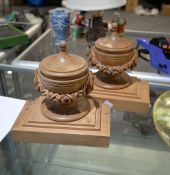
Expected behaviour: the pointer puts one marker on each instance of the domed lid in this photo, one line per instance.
(63, 65)
(114, 43)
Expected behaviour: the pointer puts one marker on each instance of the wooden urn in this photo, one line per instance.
(113, 55)
(65, 114)
(64, 79)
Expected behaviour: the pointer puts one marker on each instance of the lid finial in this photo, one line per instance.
(114, 27)
(63, 46)
(114, 30)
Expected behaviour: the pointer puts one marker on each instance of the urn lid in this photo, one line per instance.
(63, 65)
(114, 43)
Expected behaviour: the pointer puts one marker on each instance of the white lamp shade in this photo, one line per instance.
(93, 5)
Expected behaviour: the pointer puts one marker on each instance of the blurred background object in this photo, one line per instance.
(120, 21)
(159, 50)
(10, 36)
(36, 2)
(131, 5)
(165, 8)
(93, 5)
(161, 116)
(97, 28)
(148, 7)
(60, 24)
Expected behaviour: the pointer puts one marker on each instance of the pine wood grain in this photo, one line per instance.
(92, 130)
(134, 98)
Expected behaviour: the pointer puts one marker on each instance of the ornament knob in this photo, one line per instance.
(114, 27)
(63, 46)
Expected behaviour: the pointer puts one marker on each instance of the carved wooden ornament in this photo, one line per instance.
(65, 115)
(113, 55)
(63, 78)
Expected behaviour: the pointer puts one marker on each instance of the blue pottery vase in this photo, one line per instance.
(60, 20)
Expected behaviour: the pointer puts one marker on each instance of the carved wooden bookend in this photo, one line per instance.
(112, 56)
(64, 79)
(64, 115)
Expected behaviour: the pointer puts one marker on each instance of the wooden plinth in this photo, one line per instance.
(134, 98)
(91, 130)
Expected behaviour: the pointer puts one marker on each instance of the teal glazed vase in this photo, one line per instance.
(60, 21)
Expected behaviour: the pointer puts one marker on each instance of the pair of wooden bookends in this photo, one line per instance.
(71, 109)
